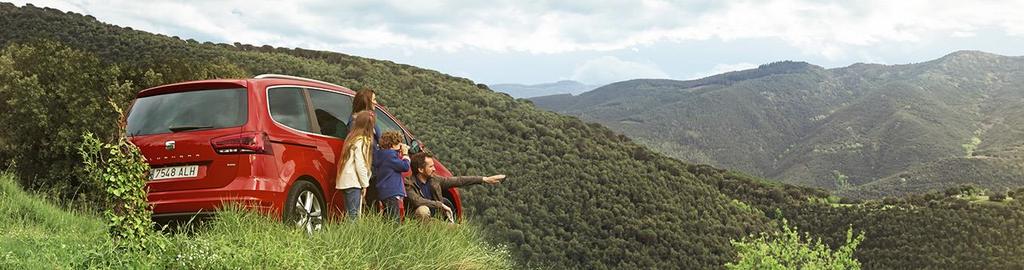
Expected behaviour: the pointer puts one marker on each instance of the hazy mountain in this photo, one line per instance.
(544, 89)
(918, 127)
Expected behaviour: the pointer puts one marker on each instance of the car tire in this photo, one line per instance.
(305, 207)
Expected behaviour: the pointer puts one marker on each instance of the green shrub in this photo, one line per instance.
(120, 169)
(787, 250)
(52, 94)
(848, 200)
(1018, 192)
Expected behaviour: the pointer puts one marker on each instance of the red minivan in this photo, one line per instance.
(269, 143)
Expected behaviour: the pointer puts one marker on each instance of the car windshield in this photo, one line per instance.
(184, 111)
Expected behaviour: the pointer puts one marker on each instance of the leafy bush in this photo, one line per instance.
(848, 200)
(787, 250)
(51, 95)
(121, 170)
(1018, 192)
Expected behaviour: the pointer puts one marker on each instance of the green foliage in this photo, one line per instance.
(903, 231)
(933, 234)
(642, 202)
(51, 95)
(371, 243)
(971, 146)
(788, 250)
(842, 181)
(649, 205)
(1015, 193)
(35, 234)
(993, 173)
(121, 171)
(968, 192)
(579, 195)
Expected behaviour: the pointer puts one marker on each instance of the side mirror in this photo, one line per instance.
(416, 147)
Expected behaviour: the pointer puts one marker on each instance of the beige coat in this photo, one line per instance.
(355, 173)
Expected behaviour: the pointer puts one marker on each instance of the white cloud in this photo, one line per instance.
(832, 29)
(723, 68)
(962, 34)
(608, 69)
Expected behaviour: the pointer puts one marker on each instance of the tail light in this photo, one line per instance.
(245, 143)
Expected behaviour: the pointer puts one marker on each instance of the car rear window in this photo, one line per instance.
(184, 111)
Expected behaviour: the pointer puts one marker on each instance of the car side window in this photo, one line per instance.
(385, 124)
(332, 111)
(288, 107)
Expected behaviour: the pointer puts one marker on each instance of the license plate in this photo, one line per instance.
(174, 172)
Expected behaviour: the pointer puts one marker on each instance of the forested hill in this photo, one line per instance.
(867, 130)
(578, 196)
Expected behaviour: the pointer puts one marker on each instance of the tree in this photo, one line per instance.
(52, 94)
(787, 250)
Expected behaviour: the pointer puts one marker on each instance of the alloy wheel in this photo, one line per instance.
(307, 209)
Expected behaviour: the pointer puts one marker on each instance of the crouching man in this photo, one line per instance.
(424, 188)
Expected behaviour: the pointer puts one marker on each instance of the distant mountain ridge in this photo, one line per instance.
(544, 89)
(867, 130)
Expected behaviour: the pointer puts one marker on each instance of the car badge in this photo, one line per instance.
(169, 145)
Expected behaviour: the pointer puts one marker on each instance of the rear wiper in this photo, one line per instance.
(187, 127)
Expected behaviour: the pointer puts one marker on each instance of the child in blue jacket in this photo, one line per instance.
(389, 162)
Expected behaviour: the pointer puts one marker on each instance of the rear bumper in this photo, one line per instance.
(257, 194)
(181, 218)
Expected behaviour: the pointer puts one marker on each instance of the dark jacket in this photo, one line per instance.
(376, 134)
(438, 184)
(388, 168)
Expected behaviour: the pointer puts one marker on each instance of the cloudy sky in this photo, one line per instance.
(595, 42)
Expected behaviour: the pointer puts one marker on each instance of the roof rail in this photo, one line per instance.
(279, 76)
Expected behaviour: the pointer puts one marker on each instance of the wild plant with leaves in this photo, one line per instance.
(786, 249)
(117, 166)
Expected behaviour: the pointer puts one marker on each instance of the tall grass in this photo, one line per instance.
(35, 234)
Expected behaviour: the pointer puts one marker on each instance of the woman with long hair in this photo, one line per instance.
(365, 100)
(355, 161)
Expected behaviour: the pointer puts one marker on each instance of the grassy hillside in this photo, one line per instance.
(35, 234)
(578, 196)
(830, 128)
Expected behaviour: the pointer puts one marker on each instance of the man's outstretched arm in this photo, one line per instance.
(458, 181)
